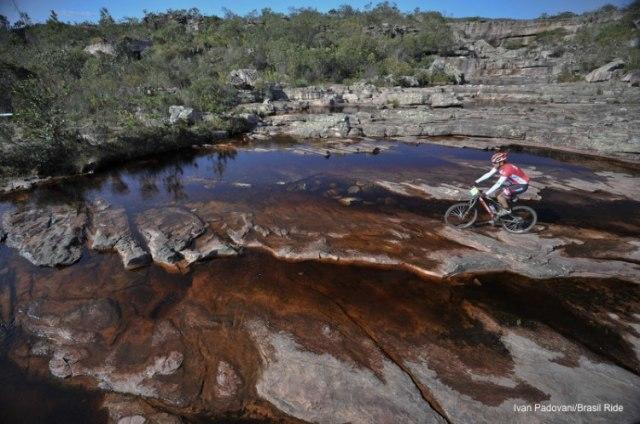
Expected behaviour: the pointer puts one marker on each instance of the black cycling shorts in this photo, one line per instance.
(514, 190)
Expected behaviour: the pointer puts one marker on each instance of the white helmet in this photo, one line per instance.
(499, 157)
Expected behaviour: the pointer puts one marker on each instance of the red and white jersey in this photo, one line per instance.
(514, 174)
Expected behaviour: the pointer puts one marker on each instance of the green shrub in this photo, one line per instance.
(56, 89)
(568, 75)
(512, 44)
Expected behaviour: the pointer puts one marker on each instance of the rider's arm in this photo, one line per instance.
(487, 175)
(496, 186)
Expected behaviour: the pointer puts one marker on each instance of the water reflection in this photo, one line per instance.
(221, 159)
(202, 175)
(118, 185)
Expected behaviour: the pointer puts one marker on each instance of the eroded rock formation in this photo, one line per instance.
(311, 297)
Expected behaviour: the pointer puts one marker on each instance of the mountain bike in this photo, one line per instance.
(463, 215)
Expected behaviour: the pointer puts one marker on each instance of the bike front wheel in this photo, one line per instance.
(520, 220)
(460, 216)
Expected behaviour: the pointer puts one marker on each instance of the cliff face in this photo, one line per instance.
(508, 51)
(497, 30)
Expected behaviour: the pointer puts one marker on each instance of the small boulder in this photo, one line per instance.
(182, 113)
(275, 93)
(604, 73)
(243, 78)
(100, 48)
(633, 78)
(441, 66)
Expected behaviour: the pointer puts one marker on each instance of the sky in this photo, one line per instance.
(87, 10)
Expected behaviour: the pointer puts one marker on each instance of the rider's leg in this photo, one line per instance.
(502, 199)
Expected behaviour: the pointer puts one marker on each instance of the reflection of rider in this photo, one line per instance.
(512, 179)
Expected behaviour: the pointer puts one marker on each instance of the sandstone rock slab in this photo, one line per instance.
(445, 100)
(605, 72)
(110, 230)
(168, 231)
(46, 236)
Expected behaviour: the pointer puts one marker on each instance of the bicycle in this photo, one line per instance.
(463, 215)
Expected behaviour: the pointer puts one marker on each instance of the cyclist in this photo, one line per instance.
(512, 181)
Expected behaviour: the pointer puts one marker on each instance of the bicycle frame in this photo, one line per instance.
(483, 201)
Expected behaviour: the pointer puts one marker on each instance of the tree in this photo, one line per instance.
(53, 18)
(23, 21)
(105, 17)
(4, 22)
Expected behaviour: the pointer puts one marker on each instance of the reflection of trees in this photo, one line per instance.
(118, 185)
(148, 187)
(173, 183)
(170, 178)
(221, 159)
(65, 191)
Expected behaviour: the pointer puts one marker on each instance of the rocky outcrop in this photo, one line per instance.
(168, 231)
(605, 72)
(184, 114)
(564, 116)
(110, 230)
(509, 51)
(46, 236)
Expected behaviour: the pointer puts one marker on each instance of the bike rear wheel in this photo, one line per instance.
(460, 216)
(520, 220)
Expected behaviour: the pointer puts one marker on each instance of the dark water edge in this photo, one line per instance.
(27, 399)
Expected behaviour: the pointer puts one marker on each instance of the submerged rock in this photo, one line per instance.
(47, 236)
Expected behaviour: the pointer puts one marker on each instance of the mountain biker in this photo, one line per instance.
(512, 181)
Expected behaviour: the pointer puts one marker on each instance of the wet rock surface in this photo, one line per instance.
(168, 231)
(110, 231)
(318, 283)
(348, 340)
(46, 236)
